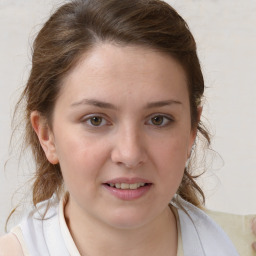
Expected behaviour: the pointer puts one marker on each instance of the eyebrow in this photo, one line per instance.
(102, 104)
(94, 102)
(162, 103)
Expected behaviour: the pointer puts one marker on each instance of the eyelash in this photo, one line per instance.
(88, 120)
(166, 120)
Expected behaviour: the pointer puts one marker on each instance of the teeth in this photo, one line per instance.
(126, 185)
(133, 186)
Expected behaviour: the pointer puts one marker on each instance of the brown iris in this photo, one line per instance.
(157, 120)
(96, 120)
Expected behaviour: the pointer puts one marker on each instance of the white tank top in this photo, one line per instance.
(201, 236)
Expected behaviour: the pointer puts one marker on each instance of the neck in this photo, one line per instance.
(159, 237)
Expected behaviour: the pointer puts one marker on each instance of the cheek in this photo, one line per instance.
(76, 147)
(170, 157)
(81, 159)
(172, 151)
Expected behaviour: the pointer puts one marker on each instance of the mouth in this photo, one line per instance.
(127, 186)
(128, 189)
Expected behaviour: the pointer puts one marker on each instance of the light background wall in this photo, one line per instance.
(225, 31)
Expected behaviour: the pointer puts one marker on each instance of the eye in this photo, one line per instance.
(157, 120)
(96, 121)
(160, 120)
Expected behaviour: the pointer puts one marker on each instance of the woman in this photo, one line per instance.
(113, 106)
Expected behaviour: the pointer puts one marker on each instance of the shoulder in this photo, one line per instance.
(200, 233)
(232, 223)
(237, 227)
(9, 245)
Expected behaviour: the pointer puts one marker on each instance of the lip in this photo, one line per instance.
(128, 194)
(128, 180)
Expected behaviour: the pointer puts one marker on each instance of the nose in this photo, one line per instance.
(129, 148)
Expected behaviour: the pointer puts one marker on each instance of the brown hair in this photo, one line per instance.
(73, 30)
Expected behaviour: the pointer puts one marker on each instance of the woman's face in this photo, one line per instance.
(122, 134)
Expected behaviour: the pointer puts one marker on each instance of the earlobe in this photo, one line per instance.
(199, 113)
(194, 131)
(45, 136)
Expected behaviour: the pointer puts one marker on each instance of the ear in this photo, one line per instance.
(45, 136)
(194, 129)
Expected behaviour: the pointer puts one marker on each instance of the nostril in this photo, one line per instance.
(128, 156)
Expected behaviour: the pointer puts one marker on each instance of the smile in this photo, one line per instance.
(126, 185)
(127, 191)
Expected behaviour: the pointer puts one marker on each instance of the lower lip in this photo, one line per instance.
(128, 194)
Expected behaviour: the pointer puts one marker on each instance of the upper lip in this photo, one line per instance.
(127, 180)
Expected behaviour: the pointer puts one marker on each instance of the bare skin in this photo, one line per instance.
(9, 245)
(122, 112)
(122, 116)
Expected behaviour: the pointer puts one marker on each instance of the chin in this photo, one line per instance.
(129, 219)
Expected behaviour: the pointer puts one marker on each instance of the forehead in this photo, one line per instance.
(111, 70)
